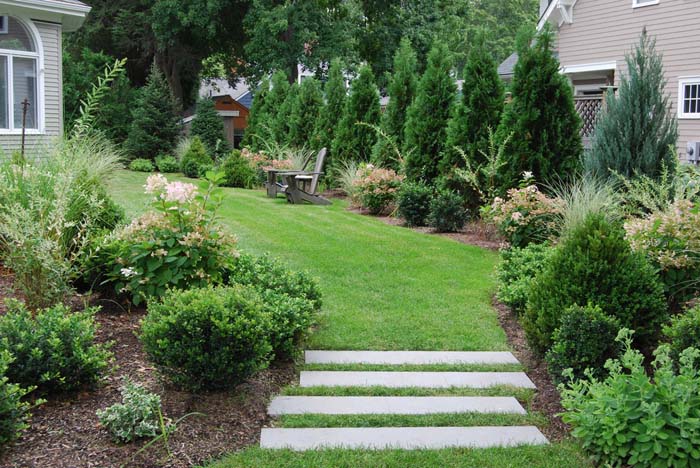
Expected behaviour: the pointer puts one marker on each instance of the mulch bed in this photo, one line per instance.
(65, 432)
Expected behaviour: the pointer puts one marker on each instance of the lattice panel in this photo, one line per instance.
(588, 108)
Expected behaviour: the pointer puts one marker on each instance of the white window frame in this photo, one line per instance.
(40, 90)
(3, 27)
(642, 4)
(682, 83)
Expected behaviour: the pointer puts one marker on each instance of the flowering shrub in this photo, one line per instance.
(671, 240)
(376, 188)
(177, 245)
(262, 162)
(525, 216)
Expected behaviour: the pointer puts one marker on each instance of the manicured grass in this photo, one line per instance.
(385, 287)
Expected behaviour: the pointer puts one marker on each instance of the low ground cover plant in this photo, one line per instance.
(54, 349)
(517, 271)
(208, 338)
(630, 418)
(137, 416)
(14, 410)
(376, 188)
(141, 165)
(413, 203)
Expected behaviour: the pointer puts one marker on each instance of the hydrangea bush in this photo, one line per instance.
(376, 188)
(176, 245)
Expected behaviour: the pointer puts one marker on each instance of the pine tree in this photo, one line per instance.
(209, 127)
(258, 114)
(636, 133)
(155, 119)
(281, 124)
(332, 113)
(354, 142)
(479, 109)
(402, 90)
(541, 117)
(305, 113)
(428, 116)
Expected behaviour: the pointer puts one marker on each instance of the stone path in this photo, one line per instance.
(375, 438)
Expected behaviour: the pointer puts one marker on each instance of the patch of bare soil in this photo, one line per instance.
(546, 400)
(65, 432)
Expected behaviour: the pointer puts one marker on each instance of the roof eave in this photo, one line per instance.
(71, 15)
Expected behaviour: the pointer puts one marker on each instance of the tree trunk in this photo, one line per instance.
(170, 68)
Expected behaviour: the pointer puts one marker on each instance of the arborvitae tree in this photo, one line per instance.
(637, 132)
(428, 116)
(281, 124)
(542, 118)
(154, 126)
(479, 109)
(209, 127)
(353, 141)
(274, 101)
(335, 105)
(305, 113)
(402, 90)
(258, 114)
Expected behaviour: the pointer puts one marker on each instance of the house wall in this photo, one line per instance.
(50, 35)
(604, 30)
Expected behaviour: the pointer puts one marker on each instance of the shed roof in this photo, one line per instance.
(506, 69)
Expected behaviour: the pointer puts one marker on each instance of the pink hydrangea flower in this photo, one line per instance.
(155, 184)
(179, 192)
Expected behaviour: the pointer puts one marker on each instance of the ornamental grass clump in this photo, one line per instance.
(376, 188)
(176, 245)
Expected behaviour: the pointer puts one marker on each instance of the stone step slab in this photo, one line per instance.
(414, 379)
(409, 357)
(407, 438)
(393, 405)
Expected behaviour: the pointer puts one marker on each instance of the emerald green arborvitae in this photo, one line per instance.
(402, 90)
(209, 127)
(354, 142)
(275, 99)
(305, 114)
(155, 119)
(281, 123)
(258, 114)
(332, 112)
(428, 116)
(479, 109)
(541, 118)
(637, 132)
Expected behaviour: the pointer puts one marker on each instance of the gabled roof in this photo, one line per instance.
(506, 69)
(558, 12)
(70, 13)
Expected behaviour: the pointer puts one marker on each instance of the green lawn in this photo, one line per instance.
(384, 287)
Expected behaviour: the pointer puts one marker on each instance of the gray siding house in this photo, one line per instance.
(30, 68)
(593, 37)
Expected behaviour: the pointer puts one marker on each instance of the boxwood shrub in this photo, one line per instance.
(684, 331)
(238, 171)
(414, 203)
(14, 411)
(167, 164)
(141, 165)
(447, 212)
(196, 161)
(517, 271)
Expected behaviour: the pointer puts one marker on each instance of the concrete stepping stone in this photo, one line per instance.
(414, 379)
(392, 405)
(407, 438)
(409, 357)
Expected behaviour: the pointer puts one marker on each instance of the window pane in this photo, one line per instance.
(17, 37)
(4, 122)
(24, 84)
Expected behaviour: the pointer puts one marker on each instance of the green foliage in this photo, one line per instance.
(332, 112)
(268, 274)
(401, 91)
(631, 418)
(354, 142)
(259, 115)
(428, 117)
(167, 164)
(476, 114)
(447, 212)
(541, 117)
(375, 188)
(54, 349)
(268, 130)
(414, 203)
(154, 128)
(584, 340)
(238, 171)
(196, 161)
(14, 412)
(517, 271)
(210, 338)
(281, 124)
(137, 416)
(595, 264)
(304, 114)
(481, 179)
(177, 245)
(683, 332)
(291, 319)
(636, 133)
(209, 127)
(141, 165)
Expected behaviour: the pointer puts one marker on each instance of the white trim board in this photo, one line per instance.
(588, 67)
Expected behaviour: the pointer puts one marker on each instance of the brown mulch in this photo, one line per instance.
(65, 432)
(546, 400)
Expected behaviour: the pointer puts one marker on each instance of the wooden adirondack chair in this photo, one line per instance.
(302, 186)
(273, 184)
